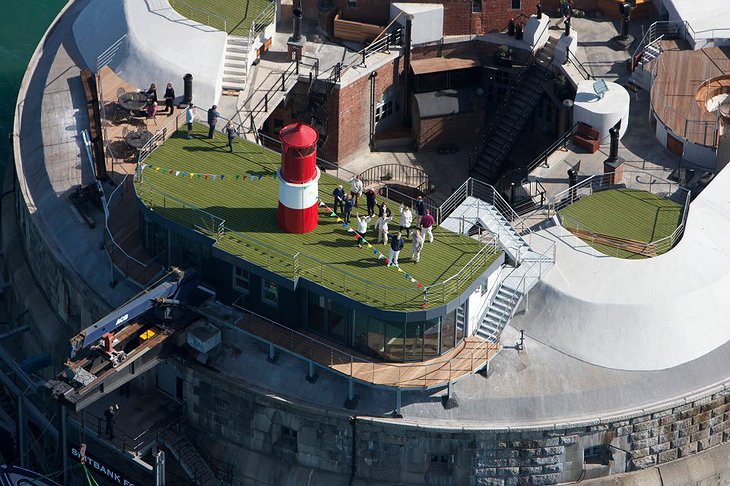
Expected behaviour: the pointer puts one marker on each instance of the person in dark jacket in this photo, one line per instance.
(212, 119)
(231, 133)
(371, 202)
(339, 196)
(420, 207)
(396, 245)
(151, 94)
(384, 210)
(349, 204)
(110, 414)
(169, 99)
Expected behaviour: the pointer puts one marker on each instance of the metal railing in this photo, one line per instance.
(416, 375)
(582, 70)
(200, 15)
(303, 265)
(632, 180)
(389, 173)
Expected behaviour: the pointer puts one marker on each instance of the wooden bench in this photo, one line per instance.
(587, 138)
(355, 31)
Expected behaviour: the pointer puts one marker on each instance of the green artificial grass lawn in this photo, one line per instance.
(238, 13)
(249, 210)
(625, 213)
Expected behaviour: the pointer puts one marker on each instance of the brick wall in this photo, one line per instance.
(459, 130)
(458, 16)
(350, 129)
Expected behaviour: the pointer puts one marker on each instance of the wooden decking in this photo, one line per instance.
(680, 75)
(469, 356)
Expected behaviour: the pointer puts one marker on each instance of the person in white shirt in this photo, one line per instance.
(362, 228)
(356, 188)
(190, 118)
(406, 220)
(417, 246)
(383, 227)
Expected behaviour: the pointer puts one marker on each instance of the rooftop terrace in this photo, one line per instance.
(239, 211)
(233, 17)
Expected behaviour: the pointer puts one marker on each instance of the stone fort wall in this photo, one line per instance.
(405, 452)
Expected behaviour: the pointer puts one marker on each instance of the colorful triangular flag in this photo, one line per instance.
(177, 173)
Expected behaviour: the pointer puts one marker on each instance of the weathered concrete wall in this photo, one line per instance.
(402, 452)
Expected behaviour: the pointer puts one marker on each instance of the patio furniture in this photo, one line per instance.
(137, 138)
(587, 138)
(133, 101)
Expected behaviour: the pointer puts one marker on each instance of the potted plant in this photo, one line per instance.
(503, 56)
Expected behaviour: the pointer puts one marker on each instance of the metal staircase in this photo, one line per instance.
(488, 158)
(189, 459)
(235, 66)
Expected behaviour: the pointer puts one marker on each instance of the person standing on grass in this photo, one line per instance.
(356, 188)
(417, 246)
(383, 229)
(169, 99)
(231, 133)
(406, 219)
(339, 196)
(190, 118)
(213, 116)
(348, 209)
(371, 202)
(396, 245)
(427, 222)
(420, 207)
(362, 228)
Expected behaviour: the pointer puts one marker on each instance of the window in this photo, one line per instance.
(241, 279)
(352, 3)
(599, 454)
(387, 106)
(484, 288)
(516, 4)
(288, 438)
(476, 5)
(441, 463)
(270, 293)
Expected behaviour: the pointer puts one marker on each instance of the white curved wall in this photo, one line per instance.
(161, 46)
(641, 314)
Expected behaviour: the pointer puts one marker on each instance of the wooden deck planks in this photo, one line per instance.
(466, 358)
(680, 74)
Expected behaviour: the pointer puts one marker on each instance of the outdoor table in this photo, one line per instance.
(138, 138)
(133, 101)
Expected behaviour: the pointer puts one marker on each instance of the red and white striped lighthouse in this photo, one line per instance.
(298, 179)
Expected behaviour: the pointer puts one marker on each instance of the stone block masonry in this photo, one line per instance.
(389, 451)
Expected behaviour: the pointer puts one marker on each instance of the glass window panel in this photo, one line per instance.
(376, 336)
(270, 293)
(337, 321)
(431, 333)
(360, 332)
(394, 340)
(414, 341)
(448, 331)
(315, 312)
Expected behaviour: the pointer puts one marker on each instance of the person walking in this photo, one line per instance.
(420, 207)
(371, 202)
(362, 228)
(212, 119)
(396, 245)
(566, 11)
(190, 118)
(110, 415)
(231, 133)
(406, 219)
(383, 229)
(417, 246)
(339, 196)
(427, 222)
(348, 209)
(356, 188)
(169, 99)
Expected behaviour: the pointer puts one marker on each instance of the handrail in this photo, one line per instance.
(578, 65)
(202, 10)
(399, 173)
(294, 262)
(379, 373)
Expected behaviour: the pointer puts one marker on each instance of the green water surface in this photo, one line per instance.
(22, 24)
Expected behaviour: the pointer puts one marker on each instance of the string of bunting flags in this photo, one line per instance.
(204, 176)
(376, 252)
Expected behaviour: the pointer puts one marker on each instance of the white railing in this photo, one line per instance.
(636, 180)
(200, 14)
